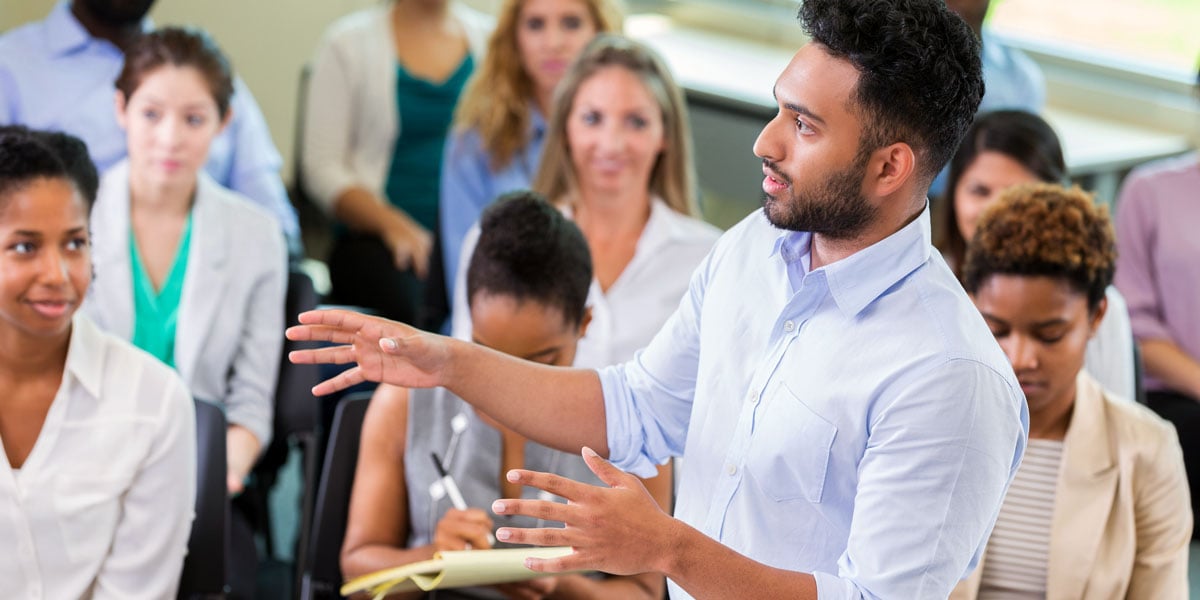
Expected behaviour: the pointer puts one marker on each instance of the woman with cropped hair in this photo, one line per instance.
(1099, 505)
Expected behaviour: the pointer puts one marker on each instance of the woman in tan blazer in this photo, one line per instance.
(1099, 507)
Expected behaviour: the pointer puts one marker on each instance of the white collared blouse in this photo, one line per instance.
(102, 507)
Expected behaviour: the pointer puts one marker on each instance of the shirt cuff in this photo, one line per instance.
(624, 439)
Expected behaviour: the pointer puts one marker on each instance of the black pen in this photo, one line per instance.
(452, 490)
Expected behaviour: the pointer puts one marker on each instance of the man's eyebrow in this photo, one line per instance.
(799, 109)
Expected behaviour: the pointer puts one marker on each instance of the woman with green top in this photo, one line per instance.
(191, 272)
(381, 94)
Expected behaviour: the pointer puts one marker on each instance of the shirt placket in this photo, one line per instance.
(26, 551)
(787, 327)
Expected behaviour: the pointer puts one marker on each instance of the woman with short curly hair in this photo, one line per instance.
(1097, 474)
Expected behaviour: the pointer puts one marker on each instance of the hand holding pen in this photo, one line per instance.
(460, 525)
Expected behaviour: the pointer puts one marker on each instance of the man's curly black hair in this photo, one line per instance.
(920, 79)
(27, 154)
(528, 250)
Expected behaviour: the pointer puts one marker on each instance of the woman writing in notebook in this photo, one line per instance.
(528, 282)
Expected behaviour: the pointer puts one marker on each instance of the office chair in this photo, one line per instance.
(322, 574)
(204, 567)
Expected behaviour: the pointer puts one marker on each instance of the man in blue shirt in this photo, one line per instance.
(58, 74)
(848, 424)
(1012, 79)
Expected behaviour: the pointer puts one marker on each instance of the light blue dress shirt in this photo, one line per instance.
(857, 422)
(1011, 80)
(469, 184)
(54, 75)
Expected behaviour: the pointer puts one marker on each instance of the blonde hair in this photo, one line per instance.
(496, 100)
(672, 178)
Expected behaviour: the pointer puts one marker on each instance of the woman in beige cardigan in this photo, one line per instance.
(1099, 507)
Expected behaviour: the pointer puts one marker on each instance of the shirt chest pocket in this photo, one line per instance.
(88, 508)
(790, 449)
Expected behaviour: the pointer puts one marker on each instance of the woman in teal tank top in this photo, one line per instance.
(384, 239)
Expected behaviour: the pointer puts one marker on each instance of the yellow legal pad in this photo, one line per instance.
(451, 569)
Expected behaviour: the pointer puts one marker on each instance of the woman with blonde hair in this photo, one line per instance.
(617, 160)
(500, 123)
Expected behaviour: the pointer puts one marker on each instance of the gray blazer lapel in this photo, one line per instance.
(110, 298)
(205, 280)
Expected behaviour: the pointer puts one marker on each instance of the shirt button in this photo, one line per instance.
(789, 326)
(730, 469)
(751, 397)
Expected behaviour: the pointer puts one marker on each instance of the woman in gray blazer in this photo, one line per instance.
(189, 271)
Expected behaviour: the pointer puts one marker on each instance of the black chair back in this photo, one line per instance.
(322, 572)
(204, 566)
(297, 419)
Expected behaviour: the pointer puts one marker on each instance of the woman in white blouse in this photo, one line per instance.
(617, 159)
(1099, 506)
(98, 474)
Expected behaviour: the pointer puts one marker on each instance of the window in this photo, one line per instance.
(1158, 36)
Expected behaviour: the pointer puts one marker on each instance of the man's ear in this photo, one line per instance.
(889, 169)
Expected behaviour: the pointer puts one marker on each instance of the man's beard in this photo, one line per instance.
(119, 13)
(835, 207)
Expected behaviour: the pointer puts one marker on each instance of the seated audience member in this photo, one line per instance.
(383, 87)
(618, 162)
(58, 74)
(1007, 148)
(527, 282)
(500, 123)
(1099, 475)
(189, 271)
(1159, 272)
(98, 473)
(1011, 80)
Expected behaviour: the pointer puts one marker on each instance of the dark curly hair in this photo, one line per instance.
(27, 154)
(178, 47)
(1044, 229)
(920, 79)
(1021, 136)
(529, 251)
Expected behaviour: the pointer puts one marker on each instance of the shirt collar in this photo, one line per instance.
(65, 34)
(85, 354)
(857, 280)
